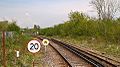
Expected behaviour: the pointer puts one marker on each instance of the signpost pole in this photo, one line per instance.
(34, 46)
(3, 45)
(45, 42)
(45, 48)
(33, 59)
(33, 63)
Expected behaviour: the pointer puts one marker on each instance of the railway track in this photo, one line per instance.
(53, 58)
(75, 57)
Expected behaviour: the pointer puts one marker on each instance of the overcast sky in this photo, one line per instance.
(45, 13)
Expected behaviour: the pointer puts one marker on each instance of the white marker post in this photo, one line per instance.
(17, 54)
(34, 46)
(45, 42)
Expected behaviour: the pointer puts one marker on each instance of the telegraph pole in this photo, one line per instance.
(3, 46)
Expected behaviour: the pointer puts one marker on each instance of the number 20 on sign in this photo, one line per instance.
(34, 46)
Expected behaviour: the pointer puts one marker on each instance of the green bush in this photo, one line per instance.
(80, 24)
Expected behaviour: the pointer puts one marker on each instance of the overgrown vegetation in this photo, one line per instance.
(81, 25)
(101, 34)
(9, 26)
(19, 43)
(97, 33)
(16, 40)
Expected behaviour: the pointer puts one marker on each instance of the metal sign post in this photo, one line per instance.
(45, 48)
(45, 42)
(33, 63)
(3, 46)
(34, 46)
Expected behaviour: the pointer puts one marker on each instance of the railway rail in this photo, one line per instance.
(78, 58)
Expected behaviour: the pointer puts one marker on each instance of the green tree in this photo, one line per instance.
(77, 16)
(13, 27)
(3, 25)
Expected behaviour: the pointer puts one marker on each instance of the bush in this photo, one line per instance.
(80, 24)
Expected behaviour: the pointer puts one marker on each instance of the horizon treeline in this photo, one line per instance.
(9, 26)
(81, 25)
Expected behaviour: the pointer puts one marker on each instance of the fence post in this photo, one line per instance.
(3, 46)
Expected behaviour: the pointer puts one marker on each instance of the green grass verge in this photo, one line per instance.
(100, 45)
(19, 42)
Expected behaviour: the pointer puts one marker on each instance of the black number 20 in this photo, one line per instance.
(34, 46)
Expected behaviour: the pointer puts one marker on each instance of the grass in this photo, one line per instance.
(99, 45)
(19, 42)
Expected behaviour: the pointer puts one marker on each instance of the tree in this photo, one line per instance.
(36, 27)
(106, 9)
(77, 16)
(13, 27)
(3, 25)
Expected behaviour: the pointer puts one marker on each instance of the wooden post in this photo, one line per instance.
(3, 46)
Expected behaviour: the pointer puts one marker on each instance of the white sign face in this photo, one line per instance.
(45, 42)
(34, 46)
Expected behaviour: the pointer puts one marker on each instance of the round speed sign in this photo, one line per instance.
(34, 46)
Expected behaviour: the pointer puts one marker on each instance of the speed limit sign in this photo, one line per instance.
(34, 46)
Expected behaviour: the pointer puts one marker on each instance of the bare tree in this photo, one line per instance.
(106, 9)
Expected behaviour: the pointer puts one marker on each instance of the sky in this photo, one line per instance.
(44, 13)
